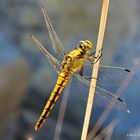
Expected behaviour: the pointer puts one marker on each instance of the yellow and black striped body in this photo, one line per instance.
(61, 83)
(71, 64)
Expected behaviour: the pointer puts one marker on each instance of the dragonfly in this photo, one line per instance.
(72, 64)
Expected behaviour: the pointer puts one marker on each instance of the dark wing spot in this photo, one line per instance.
(120, 99)
(127, 70)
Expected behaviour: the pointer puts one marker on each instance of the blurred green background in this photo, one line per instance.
(27, 79)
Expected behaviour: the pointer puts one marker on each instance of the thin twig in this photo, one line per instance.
(95, 68)
(106, 132)
(62, 111)
(110, 106)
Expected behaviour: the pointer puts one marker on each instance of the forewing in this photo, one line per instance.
(57, 45)
(108, 75)
(53, 61)
(103, 97)
(112, 75)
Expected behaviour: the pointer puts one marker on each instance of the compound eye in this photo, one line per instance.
(80, 46)
(88, 42)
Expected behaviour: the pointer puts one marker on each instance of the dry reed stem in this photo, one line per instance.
(62, 111)
(110, 106)
(103, 19)
(107, 131)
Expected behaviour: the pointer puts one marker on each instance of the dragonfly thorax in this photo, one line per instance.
(74, 59)
(85, 46)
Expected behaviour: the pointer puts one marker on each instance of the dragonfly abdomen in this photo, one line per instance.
(61, 83)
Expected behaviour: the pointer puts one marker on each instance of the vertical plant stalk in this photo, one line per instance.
(62, 111)
(103, 19)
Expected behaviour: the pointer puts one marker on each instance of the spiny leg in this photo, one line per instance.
(81, 70)
(100, 51)
(91, 57)
(97, 58)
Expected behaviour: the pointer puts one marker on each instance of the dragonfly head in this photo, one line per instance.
(85, 45)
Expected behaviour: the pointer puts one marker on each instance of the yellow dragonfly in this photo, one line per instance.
(72, 63)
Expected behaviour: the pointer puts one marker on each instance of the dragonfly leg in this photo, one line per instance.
(100, 51)
(99, 54)
(92, 53)
(81, 70)
(98, 57)
(91, 57)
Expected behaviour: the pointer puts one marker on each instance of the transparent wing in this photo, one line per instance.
(107, 74)
(53, 61)
(102, 96)
(57, 45)
(113, 75)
